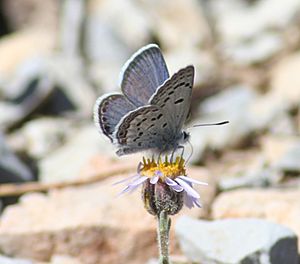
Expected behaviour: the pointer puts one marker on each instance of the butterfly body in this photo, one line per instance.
(151, 112)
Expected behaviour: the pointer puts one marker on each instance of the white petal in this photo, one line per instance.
(191, 180)
(138, 181)
(127, 179)
(154, 179)
(190, 191)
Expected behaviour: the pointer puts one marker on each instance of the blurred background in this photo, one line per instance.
(56, 170)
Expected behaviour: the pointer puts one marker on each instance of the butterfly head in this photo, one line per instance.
(184, 137)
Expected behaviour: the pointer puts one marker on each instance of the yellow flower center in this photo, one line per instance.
(167, 168)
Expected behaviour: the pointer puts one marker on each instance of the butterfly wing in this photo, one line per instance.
(109, 110)
(158, 126)
(174, 99)
(142, 129)
(142, 74)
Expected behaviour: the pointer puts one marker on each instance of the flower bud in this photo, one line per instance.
(161, 197)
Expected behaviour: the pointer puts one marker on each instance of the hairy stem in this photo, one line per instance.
(164, 224)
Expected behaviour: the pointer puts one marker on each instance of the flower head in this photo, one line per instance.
(165, 185)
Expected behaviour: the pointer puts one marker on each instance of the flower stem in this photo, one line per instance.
(164, 224)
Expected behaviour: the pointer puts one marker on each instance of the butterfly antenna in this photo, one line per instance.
(213, 124)
(191, 154)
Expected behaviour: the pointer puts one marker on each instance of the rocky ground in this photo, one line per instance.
(56, 172)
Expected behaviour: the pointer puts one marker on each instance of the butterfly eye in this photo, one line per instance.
(185, 135)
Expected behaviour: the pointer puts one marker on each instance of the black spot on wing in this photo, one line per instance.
(178, 101)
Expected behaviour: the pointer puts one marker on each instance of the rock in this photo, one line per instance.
(67, 161)
(127, 21)
(115, 30)
(256, 51)
(290, 161)
(12, 169)
(99, 227)
(72, 83)
(283, 125)
(252, 32)
(16, 85)
(36, 92)
(63, 259)
(278, 205)
(6, 260)
(31, 13)
(261, 177)
(176, 33)
(285, 82)
(247, 111)
(19, 47)
(219, 241)
(99, 221)
(269, 110)
(232, 104)
(205, 67)
(282, 152)
(41, 136)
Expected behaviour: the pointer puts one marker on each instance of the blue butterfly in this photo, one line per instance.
(153, 108)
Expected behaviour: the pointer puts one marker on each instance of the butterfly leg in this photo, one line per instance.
(158, 157)
(181, 147)
(172, 155)
(174, 150)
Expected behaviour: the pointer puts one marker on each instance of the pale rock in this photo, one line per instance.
(127, 19)
(277, 205)
(18, 47)
(219, 242)
(63, 259)
(7, 260)
(66, 162)
(73, 82)
(283, 125)
(232, 104)
(285, 81)
(177, 33)
(255, 51)
(258, 177)
(41, 136)
(89, 223)
(28, 70)
(290, 160)
(31, 13)
(247, 112)
(12, 169)
(11, 114)
(284, 95)
(115, 30)
(205, 67)
(265, 111)
(237, 20)
(252, 32)
(282, 152)
(38, 90)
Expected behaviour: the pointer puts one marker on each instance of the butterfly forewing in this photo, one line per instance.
(142, 74)
(109, 110)
(174, 98)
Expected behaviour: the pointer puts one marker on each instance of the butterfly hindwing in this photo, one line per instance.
(142, 74)
(142, 129)
(108, 111)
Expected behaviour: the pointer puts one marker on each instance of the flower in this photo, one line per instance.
(165, 185)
